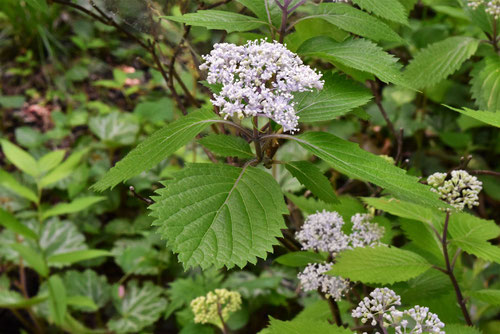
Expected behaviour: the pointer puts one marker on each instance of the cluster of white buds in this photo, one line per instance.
(322, 232)
(313, 277)
(206, 308)
(381, 310)
(459, 191)
(492, 7)
(258, 79)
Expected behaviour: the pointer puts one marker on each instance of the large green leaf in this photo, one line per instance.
(89, 284)
(220, 215)
(57, 299)
(360, 54)
(302, 326)
(388, 9)
(478, 247)
(439, 60)
(8, 181)
(32, 258)
(491, 118)
(355, 21)
(351, 160)
(20, 158)
(313, 179)
(9, 221)
(300, 258)
(140, 307)
(227, 146)
(338, 96)
(219, 20)
(60, 237)
(490, 296)
(77, 205)
(157, 147)
(463, 226)
(14, 300)
(384, 265)
(486, 84)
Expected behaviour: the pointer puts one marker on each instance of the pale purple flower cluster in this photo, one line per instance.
(313, 277)
(381, 309)
(258, 79)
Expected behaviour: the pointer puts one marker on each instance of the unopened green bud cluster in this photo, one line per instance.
(206, 308)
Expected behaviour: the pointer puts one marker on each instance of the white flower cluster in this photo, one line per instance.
(313, 277)
(206, 308)
(322, 232)
(460, 190)
(492, 7)
(258, 79)
(381, 309)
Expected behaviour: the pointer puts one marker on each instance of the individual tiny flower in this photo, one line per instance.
(206, 308)
(258, 79)
(460, 190)
(323, 232)
(313, 277)
(372, 309)
(364, 233)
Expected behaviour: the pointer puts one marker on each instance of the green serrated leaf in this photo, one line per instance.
(491, 118)
(486, 84)
(57, 299)
(338, 97)
(9, 221)
(140, 307)
(9, 182)
(384, 265)
(461, 329)
(219, 20)
(388, 9)
(348, 158)
(354, 21)
(302, 326)
(76, 205)
(360, 54)
(490, 296)
(32, 258)
(60, 237)
(89, 284)
(437, 61)
(220, 215)
(478, 247)
(157, 147)
(227, 146)
(313, 179)
(20, 158)
(77, 256)
(300, 258)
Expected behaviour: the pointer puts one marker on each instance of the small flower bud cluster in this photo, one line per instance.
(258, 79)
(460, 191)
(313, 277)
(492, 7)
(206, 308)
(322, 232)
(381, 309)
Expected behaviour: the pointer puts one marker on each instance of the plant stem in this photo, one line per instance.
(225, 329)
(484, 172)
(334, 308)
(449, 271)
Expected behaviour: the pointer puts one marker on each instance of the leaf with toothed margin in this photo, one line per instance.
(220, 215)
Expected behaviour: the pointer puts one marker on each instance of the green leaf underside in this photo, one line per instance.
(300, 258)
(491, 118)
(9, 182)
(157, 147)
(338, 96)
(219, 20)
(384, 265)
(439, 60)
(9, 221)
(360, 54)
(350, 159)
(77, 205)
(489, 296)
(313, 179)
(486, 84)
(227, 146)
(354, 21)
(302, 326)
(140, 307)
(389, 9)
(220, 215)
